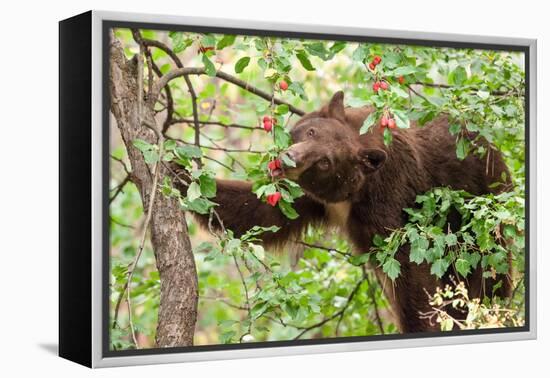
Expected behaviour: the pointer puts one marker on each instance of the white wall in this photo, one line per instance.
(28, 200)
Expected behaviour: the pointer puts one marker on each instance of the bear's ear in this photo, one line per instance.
(372, 158)
(336, 107)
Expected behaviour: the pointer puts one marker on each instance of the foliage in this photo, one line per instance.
(317, 287)
(491, 226)
(491, 314)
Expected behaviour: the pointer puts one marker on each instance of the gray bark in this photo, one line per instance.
(168, 228)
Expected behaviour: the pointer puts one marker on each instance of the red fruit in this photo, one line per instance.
(384, 85)
(272, 199)
(391, 123)
(401, 79)
(268, 125)
(266, 118)
(384, 121)
(376, 60)
(283, 85)
(372, 66)
(274, 164)
(376, 86)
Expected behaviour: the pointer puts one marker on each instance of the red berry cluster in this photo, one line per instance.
(380, 84)
(274, 164)
(283, 85)
(269, 122)
(375, 61)
(387, 121)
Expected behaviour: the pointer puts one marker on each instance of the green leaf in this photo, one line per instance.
(281, 109)
(281, 137)
(227, 40)
(170, 145)
(371, 119)
(287, 209)
(208, 40)
(227, 337)
(208, 66)
(207, 185)
(461, 148)
(188, 151)
(142, 145)
(483, 94)
(392, 268)
(298, 90)
(388, 137)
(402, 71)
(463, 267)
(439, 267)
(458, 76)
(337, 47)
(200, 205)
(455, 128)
(398, 91)
(241, 64)
(151, 156)
(359, 260)
(451, 240)
(194, 191)
(401, 119)
(318, 49)
(360, 53)
(288, 161)
(303, 58)
(418, 250)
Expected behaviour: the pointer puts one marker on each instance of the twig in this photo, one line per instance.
(162, 82)
(310, 245)
(119, 188)
(336, 314)
(371, 294)
(217, 123)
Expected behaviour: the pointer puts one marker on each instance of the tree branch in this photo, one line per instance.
(224, 76)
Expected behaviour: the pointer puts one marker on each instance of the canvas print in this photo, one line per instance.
(274, 190)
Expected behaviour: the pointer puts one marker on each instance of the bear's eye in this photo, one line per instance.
(323, 164)
(311, 132)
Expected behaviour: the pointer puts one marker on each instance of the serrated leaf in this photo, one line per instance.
(392, 268)
(281, 137)
(439, 267)
(463, 267)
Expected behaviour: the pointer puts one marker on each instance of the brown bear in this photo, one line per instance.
(358, 184)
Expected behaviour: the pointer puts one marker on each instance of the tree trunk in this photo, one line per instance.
(169, 235)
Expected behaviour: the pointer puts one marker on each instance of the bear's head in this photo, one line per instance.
(332, 164)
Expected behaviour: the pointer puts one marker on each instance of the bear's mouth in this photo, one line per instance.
(277, 173)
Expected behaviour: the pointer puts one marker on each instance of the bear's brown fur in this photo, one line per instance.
(360, 185)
